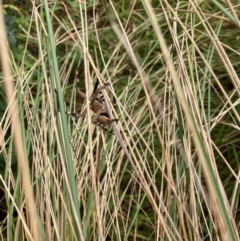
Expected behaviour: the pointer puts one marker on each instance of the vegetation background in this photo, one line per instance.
(171, 169)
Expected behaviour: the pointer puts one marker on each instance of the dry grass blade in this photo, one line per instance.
(173, 161)
(17, 130)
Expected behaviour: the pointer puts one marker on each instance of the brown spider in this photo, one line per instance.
(98, 106)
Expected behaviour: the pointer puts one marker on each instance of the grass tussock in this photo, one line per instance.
(170, 171)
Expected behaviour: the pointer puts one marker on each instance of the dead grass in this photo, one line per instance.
(171, 170)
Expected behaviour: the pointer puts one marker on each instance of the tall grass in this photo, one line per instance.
(171, 169)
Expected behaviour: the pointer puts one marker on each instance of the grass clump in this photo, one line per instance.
(171, 169)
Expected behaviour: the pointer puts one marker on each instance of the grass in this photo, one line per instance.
(171, 169)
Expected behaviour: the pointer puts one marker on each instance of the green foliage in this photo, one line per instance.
(11, 30)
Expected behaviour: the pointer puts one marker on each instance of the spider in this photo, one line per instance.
(98, 106)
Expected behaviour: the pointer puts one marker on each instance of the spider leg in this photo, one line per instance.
(76, 114)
